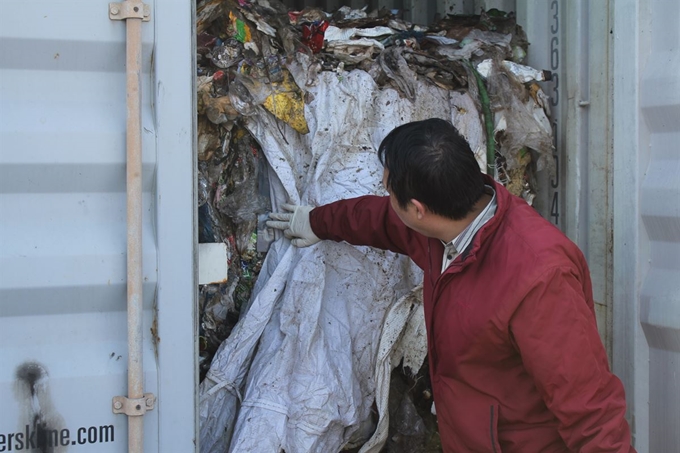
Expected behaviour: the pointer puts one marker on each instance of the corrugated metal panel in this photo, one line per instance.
(63, 211)
(647, 216)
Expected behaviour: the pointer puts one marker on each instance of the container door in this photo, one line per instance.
(646, 62)
(63, 334)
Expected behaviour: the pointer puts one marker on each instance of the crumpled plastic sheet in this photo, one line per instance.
(523, 122)
(404, 337)
(304, 364)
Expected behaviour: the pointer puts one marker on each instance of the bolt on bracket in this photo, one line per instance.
(133, 407)
(129, 10)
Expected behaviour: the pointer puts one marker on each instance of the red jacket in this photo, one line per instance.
(516, 361)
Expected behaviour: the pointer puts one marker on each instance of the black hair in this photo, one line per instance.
(431, 162)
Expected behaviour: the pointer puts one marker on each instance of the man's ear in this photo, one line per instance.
(421, 209)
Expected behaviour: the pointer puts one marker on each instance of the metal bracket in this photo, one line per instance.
(133, 407)
(129, 9)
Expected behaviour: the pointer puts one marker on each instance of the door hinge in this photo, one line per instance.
(129, 10)
(137, 406)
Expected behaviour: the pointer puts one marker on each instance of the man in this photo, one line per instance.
(516, 362)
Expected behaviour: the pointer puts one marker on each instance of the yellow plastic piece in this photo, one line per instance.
(287, 104)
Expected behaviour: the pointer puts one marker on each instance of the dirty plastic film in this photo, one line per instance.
(323, 348)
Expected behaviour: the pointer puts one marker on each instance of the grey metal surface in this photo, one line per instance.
(587, 151)
(175, 224)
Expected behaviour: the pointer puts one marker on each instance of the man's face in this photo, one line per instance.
(409, 215)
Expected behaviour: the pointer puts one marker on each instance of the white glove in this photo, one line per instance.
(295, 224)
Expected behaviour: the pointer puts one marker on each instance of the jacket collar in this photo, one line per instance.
(503, 200)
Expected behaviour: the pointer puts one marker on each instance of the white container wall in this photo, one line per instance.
(63, 226)
(646, 171)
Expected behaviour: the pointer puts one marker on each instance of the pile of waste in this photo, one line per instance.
(273, 88)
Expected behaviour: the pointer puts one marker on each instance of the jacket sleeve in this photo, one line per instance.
(368, 220)
(556, 333)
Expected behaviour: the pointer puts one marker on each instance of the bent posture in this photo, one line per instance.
(516, 362)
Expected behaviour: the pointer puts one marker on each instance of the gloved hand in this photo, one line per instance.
(295, 224)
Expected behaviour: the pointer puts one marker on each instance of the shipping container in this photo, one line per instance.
(64, 342)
